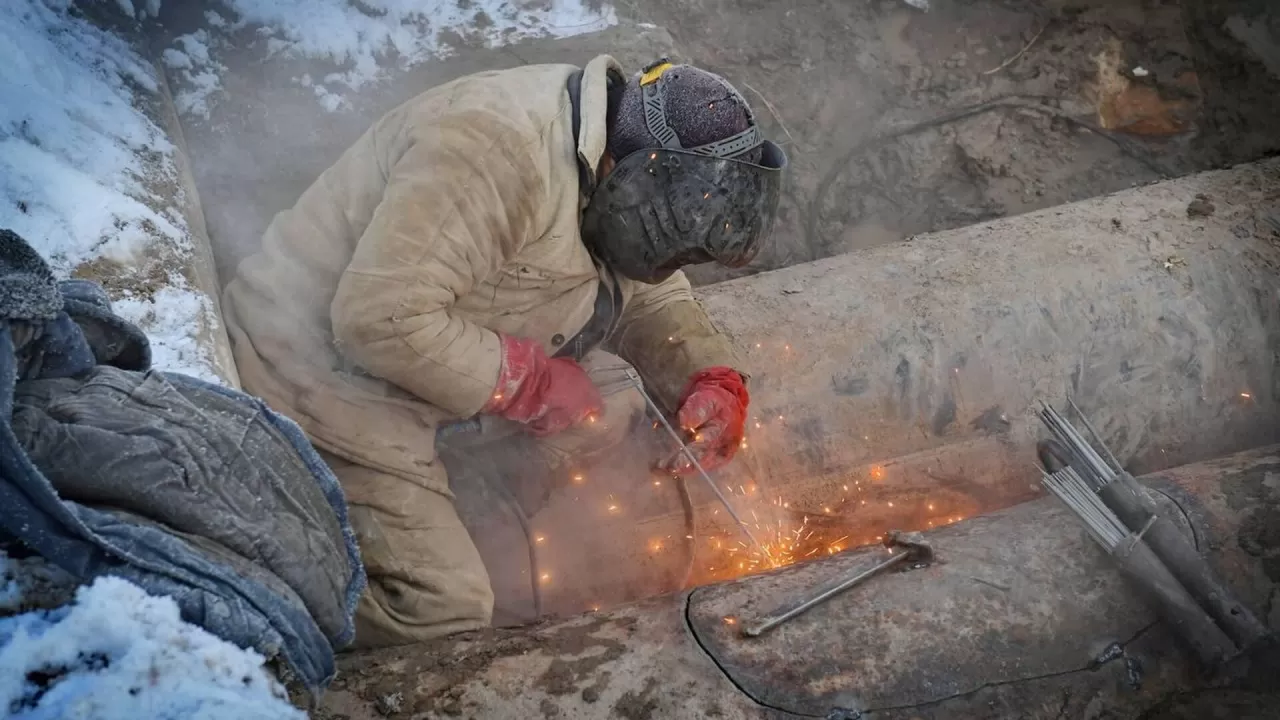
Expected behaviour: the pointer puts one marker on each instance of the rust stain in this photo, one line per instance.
(1157, 108)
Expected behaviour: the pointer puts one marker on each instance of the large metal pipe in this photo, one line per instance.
(896, 386)
(1022, 616)
(1157, 308)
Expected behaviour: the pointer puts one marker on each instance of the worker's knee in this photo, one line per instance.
(426, 578)
(397, 610)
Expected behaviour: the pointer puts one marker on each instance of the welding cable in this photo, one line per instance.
(1015, 101)
(691, 529)
(530, 541)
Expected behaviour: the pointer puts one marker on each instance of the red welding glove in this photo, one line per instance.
(546, 394)
(713, 409)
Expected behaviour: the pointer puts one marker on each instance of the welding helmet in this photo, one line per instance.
(667, 206)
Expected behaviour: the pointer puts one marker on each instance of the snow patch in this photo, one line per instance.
(71, 215)
(77, 161)
(167, 317)
(69, 138)
(198, 75)
(214, 19)
(364, 37)
(118, 653)
(140, 9)
(330, 101)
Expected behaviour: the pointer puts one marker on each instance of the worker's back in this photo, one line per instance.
(280, 308)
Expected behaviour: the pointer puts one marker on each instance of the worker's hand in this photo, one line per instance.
(546, 394)
(713, 410)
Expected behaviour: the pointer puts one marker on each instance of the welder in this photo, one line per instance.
(479, 252)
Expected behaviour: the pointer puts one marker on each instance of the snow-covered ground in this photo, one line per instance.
(117, 653)
(365, 38)
(83, 172)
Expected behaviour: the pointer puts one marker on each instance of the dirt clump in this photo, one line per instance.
(1201, 206)
(638, 706)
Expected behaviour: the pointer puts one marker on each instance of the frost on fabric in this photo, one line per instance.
(79, 163)
(118, 653)
(366, 38)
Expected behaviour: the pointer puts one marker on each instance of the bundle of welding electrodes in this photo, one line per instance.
(1149, 548)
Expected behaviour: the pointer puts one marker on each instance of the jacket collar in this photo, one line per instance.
(593, 105)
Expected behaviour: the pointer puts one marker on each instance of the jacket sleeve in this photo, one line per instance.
(458, 203)
(668, 337)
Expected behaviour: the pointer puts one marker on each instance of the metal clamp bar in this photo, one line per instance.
(772, 622)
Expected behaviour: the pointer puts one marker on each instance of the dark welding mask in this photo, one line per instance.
(664, 208)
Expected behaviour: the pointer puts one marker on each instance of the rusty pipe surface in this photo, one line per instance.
(1022, 616)
(1162, 323)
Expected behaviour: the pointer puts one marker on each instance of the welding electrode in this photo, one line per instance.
(693, 460)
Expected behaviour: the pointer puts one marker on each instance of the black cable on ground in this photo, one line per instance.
(1033, 103)
(531, 542)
